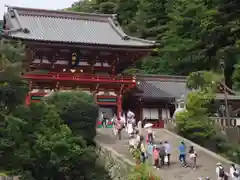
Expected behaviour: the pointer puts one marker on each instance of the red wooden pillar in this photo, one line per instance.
(119, 106)
(28, 99)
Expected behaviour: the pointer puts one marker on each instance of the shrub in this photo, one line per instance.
(78, 110)
(142, 172)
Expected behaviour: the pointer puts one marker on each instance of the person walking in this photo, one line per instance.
(220, 173)
(143, 151)
(193, 156)
(162, 154)
(182, 154)
(150, 135)
(130, 129)
(119, 128)
(139, 126)
(150, 149)
(104, 120)
(155, 157)
(167, 151)
(234, 173)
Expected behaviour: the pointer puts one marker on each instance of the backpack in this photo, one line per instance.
(221, 172)
(162, 151)
(235, 174)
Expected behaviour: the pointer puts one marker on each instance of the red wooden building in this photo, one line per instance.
(69, 51)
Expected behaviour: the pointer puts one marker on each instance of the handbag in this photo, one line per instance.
(166, 159)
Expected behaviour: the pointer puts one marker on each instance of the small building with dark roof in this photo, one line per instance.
(156, 97)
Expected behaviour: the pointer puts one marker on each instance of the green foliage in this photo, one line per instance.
(204, 80)
(12, 88)
(194, 123)
(78, 110)
(194, 34)
(142, 172)
(196, 128)
(236, 77)
(39, 140)
(11, 52)
(131, 71)
(36, 145)
(136, 153)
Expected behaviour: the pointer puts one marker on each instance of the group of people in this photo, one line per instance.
(221, 174)
(160, 152)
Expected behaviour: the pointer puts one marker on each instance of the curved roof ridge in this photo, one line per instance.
(60, 11)
(104, 29)
(116, 26)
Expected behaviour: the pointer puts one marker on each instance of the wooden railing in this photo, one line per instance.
(80, 77)
(222, 121)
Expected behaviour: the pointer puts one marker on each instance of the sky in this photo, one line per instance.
(42, 4)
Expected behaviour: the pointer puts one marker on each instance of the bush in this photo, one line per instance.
(40, 146)
(78, 110)
(194, 128)
(142, 172)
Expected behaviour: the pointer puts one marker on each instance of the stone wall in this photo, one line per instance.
(115, 164)
(8, 178)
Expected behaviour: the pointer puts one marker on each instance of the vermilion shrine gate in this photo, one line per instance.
(67, 50)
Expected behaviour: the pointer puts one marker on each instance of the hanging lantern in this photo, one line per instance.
(74, 60)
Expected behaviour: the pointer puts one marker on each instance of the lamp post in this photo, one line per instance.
(222, 66)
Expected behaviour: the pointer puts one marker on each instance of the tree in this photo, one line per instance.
(78, 110)
(194, 123)
(13, 88)
(37, 145)
(236, 77)
(193, 34)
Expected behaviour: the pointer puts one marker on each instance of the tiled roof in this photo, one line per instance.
(71, 27)
(163, 87)
(166, 86)
(150, 91)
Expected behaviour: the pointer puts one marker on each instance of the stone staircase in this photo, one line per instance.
(206, 160)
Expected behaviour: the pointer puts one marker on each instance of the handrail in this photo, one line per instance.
(78, 77)
(91, 75)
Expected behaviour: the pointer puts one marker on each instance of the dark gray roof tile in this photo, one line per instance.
(162, 86)
(62, 26)
(175, 88)
(151, 91)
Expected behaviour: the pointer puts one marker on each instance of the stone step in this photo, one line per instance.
(206, 160)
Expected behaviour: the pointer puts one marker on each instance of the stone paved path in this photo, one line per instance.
(206, 163)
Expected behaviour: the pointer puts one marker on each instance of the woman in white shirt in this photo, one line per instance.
(234, 173)
(130, 129)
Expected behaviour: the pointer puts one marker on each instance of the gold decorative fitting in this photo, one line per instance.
(73, 70)
(74, 57)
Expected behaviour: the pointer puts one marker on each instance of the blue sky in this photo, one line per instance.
(42, 4)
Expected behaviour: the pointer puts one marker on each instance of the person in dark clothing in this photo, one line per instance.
(162, 154)
(168, 151)
(104, 120)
